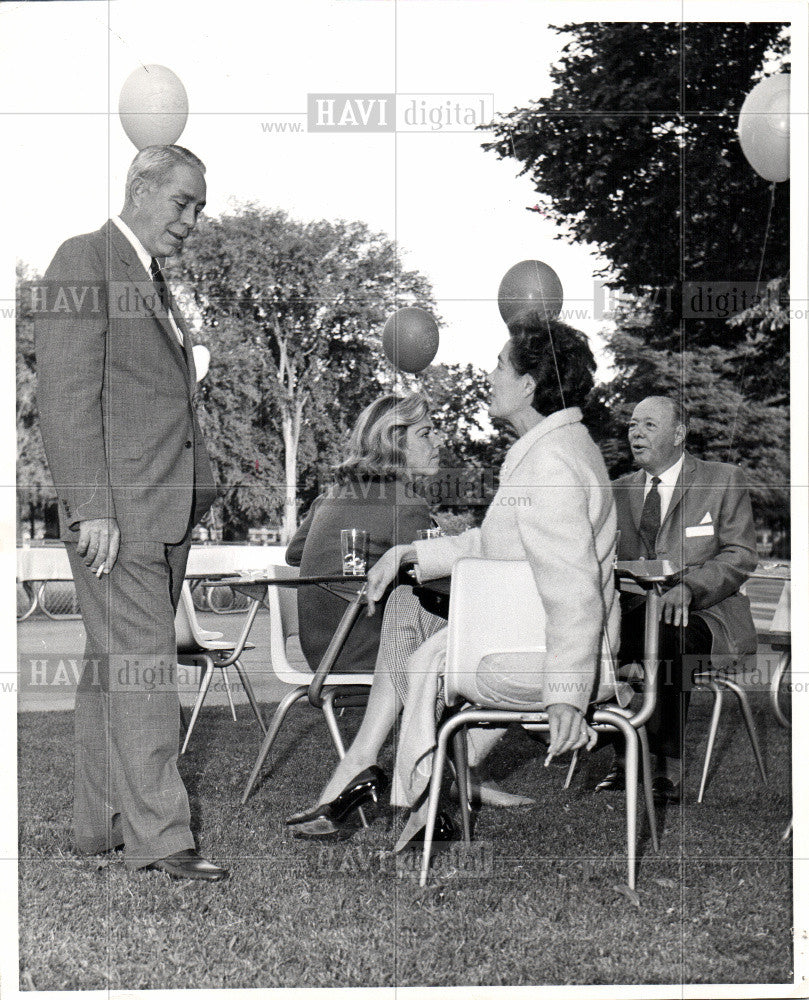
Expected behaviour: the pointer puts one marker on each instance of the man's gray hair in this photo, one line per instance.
(153, 164)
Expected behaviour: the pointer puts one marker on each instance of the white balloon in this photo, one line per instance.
(153, 106)
(764, 128)
(202, 360)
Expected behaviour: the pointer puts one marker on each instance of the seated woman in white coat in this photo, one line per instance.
(554, 507)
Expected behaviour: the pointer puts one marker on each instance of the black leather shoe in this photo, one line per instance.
(445, 830)
(189, 864)
(615, 780)
(665, 790)
(368, 786)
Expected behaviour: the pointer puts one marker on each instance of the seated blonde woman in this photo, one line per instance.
(554, 507)
(392, 443)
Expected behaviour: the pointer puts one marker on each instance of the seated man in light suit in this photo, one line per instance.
(698, 516)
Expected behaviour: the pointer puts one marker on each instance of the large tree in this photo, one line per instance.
(636, 152)
(292, 313)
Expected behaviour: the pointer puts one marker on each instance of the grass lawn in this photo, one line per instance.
(536, 902)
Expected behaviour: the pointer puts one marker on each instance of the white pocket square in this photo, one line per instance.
(707, 519)
(699, 529)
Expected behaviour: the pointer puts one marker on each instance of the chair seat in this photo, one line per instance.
(214, 646)
(206, 649)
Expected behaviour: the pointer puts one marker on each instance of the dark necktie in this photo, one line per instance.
(650, 518)
(160, 282)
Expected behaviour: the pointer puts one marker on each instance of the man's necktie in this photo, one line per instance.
(160, 283)
(650, 518)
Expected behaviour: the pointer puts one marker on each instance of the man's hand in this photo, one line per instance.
(382, 574)
(99, 540)
(569, 731)
(674, 605)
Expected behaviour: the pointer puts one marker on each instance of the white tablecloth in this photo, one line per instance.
(51, 563)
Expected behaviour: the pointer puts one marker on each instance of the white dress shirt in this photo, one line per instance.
(665, 488)
(146, 259)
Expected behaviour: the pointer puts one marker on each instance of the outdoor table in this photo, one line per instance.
(254, 587)
(37, 566)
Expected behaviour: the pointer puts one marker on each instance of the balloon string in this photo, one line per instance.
(555, 364)
(766, 235)
(742, 371)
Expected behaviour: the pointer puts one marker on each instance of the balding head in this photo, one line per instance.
(657, 433)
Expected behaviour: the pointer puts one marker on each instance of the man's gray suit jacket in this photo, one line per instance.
(115, 392)
(708, 530)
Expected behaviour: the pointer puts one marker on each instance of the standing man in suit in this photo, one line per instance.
(697, 515)
(115, 390)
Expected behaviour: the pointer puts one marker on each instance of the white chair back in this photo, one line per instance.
(288, 662)
(186, 625)
(494, 608)
(191, 636)
(283, 606)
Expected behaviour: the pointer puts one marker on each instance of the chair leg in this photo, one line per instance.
(280, 714)
(717, 712)
(251, 696)
(631, 770)
(226, 679)
(749, 722)
(631, 766)
(183, 720)
(440, 756)
(331, 722)
(461, 757)
(327, 705)
(648, 793)
(775, 688)
(207, 677)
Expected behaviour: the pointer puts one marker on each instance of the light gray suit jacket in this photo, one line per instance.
(708, 529)
(115, 392)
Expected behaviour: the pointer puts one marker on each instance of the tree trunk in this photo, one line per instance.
(291, 429)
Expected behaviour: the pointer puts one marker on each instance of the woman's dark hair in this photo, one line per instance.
(557, 357)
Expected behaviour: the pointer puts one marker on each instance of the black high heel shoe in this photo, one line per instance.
(445, 830)
(327, 819)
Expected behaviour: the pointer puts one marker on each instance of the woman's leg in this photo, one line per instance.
(404, 628)
(381, 713)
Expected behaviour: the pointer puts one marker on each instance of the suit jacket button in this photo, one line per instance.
(188, 444)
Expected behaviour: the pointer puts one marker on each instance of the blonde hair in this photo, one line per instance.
(376, 446)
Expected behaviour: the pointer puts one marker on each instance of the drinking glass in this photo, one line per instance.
(354, 547)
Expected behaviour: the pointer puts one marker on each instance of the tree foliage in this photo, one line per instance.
(292, 313)
(35, 489)
(636, 152)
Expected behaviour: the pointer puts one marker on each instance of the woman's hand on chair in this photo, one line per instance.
(568, 730)
(384, 571)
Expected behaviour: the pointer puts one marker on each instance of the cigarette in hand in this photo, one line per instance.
(100, 570)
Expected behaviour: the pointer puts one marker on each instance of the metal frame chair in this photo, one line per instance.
(325, 691)
(717, 683)
(202, 648)
(514, 623)
(774, 633)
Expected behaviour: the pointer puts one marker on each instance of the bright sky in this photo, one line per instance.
(458, 213)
